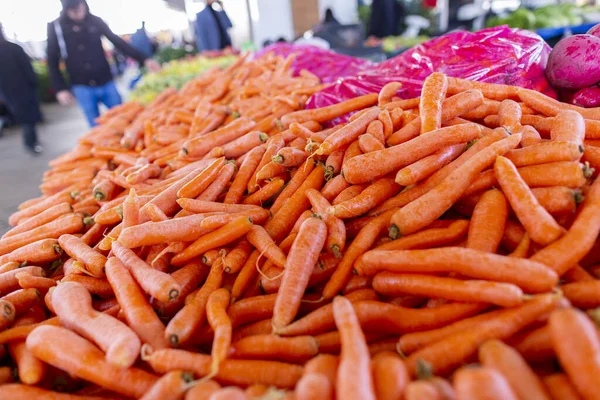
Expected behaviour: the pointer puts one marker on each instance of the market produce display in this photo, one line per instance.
(550, 16)
(176, 74)
(219, 243)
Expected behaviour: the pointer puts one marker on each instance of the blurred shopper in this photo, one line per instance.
(211, 27)
(141, 42)
(18, 91)
(76, 38)
(330, 18)
(387, 17)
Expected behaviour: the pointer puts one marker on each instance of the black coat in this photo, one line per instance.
(386, 18)
(86, 61)
(18, 84)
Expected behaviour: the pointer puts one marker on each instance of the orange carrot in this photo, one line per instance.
(68, 352)
(354, 379)
(156, 283)
(73, 306)
(370, 197)
(40, 219)
(423, 168)
(507, 361)
(64, 196)
(300, 261)
(430, 107)
(387, 92)
(77, 249)
(574, 338)
(413, 217)
(349, 133)
(270, 347)
(330, 112)
(139, 314)
(559, 387)
(216, 313)
(314, 386)
(390, 376)
(482, 383)
(487, 222)
(199, 183)
(40, 252)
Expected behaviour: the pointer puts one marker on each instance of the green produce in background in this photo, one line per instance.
(175, 74)
(551, 16)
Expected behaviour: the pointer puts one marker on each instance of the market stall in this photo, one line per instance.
(299, 224)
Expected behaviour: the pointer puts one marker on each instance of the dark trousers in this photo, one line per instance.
(29, 135)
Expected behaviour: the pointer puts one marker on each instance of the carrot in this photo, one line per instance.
(579, 239)
(487, 222)
(368, 143)
(158, 284)
(314, 386)
(528, 275)
(387, 92)
(68, 352)
(530, 136)
(274, 144)
(189, 277)
(73, 306)
(237, 372)
(77, 249)
(290, 157)
(201, 181)
(390, 376)
(257, 215)
(28, 281)
(222, 236)
(216, 313)
(7, 314)
(184, 229)
(583, 294)
(244, 175)
(465, 343)
(301, 175)
(302, 257)
(559, 387)
(139, 314)
(41, 252)
(282, 222)
(413, 217)
(482, 383)
(202, 390)
(9, 281)
(246, 274)
(325, 114)
(502, 294)
(547, 152)
(31, 370)
(244, 144)
(64, 196)
(349, 133)
(574, 339)
(69, 223)
(261, 240)
(336, 230)
(550, 107)
(214, 190)
(535, 345)
(23, 300)
(171, 385)
(506, 360)
(348, 194)
(192, 315)
(229, 393)
(375, 130)
(490, 90)
(424, 390)
(376, 164)
(270, 347)
(373, 195)
(509, 115)
(40, 219)
(423, 168)
(266, 193)
(201, 145)
(334, 187)
(430, 106)
(354, 379)
(568, 126)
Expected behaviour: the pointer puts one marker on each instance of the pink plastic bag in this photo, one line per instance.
(325, 64)
(496, 55)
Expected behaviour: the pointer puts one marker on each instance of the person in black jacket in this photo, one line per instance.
(386, 18)
(18, 90)
(76, 38)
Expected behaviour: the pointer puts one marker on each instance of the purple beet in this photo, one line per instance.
(587, 97)
(574, 62)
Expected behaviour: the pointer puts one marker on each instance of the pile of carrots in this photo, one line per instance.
(226, 243)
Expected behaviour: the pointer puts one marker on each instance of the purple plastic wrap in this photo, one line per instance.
(495, 55)
(325, 64)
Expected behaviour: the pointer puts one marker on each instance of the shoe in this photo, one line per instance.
(35, 150)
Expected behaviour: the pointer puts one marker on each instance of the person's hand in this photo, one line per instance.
(65, 98)
(152, 65)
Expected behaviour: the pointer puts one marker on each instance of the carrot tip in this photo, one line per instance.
(173, 294)
(174, 340)
(146, 352)
(335, 249)
(99, 196)
(579, 197)
(393, 232)
(423, 369)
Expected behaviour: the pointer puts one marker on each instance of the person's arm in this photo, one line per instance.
(56, 77)
(120, 44)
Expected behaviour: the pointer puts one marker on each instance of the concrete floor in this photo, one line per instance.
(21, 172)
